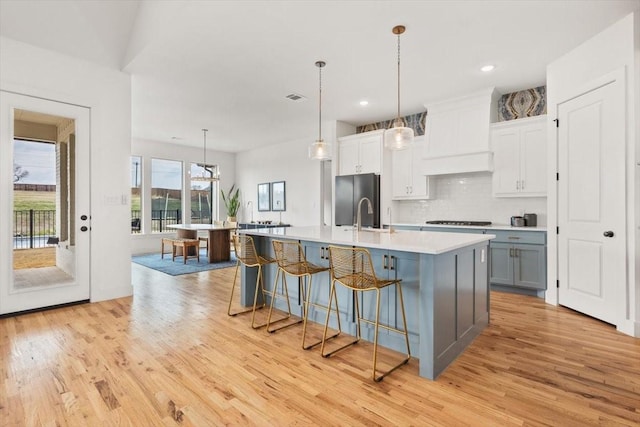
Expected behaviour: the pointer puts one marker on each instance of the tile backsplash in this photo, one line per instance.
(467, 197)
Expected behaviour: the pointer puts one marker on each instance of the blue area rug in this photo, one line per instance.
(176, 268)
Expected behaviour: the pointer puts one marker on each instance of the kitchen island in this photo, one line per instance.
(444, 281)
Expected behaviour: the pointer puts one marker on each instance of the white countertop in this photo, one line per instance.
(426, 242)
(479, 227)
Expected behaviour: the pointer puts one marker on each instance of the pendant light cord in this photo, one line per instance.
(204, 165)
(320, 105)
(398, 75)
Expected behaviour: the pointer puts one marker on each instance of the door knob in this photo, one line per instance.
(83, 228)
(608, 233)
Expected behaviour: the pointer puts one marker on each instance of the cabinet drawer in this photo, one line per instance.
(529, 237)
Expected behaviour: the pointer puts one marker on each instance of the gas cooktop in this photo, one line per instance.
(451, 222)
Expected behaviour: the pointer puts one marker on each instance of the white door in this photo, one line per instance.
(591, 202)
(68, 279)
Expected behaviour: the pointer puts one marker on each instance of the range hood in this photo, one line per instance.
(462, 163)
(457, 134)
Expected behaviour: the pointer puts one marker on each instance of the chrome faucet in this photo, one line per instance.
(359, 214)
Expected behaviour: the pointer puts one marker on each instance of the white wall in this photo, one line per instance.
(32, 71)
(287, 162)
(467, 197)
(614, 48)
(147, 243)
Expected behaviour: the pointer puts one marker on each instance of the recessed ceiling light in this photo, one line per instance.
(487, 68)
(363, 103)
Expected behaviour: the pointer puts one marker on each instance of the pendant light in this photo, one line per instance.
(398, 137)
(320, 150)
(207, 170)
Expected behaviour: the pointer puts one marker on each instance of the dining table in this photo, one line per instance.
(219, 238)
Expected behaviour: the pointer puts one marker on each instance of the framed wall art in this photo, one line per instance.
(264, 197)
(278, 196)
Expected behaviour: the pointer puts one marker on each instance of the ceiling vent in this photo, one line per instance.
(295, 97)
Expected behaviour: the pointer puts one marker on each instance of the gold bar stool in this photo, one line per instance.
(292, 261)
(246, 255)
(353, 268)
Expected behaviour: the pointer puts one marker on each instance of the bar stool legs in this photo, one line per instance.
(233, 287)
(292, 261)
(307, 302)
(353, 268)
(285, 293)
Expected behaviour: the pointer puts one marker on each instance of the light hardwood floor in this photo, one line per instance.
(171, 356)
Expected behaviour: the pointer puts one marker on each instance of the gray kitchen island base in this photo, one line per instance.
(446, 293)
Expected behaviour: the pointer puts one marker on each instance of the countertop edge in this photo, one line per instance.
(484, 227)
(421, 242)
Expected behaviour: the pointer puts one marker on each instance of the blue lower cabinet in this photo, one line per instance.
(518, 260)
(518, 257)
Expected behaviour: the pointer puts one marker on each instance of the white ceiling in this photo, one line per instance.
(228, 65)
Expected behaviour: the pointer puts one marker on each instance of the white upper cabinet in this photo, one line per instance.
(519, 157)
(408, 179)
(457, 134)
(360, 153)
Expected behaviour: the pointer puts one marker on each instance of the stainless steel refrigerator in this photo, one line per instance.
(349, 190)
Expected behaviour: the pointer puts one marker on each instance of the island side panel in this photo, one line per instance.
(450, 314)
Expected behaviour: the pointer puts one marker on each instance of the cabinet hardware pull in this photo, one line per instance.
(522, 184)
(517, 252)
(514, 237)
(511, 252)
(384, 262)
(393, 263)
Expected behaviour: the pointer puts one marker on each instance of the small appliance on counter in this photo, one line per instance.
(517, 221)
(530, 220)
(526, 220)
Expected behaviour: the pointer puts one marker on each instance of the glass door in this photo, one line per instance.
(44, 203)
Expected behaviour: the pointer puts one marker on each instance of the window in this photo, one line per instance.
(136, 201)
(204, 195)
(166, 194)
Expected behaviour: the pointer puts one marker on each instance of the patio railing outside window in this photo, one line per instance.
(32, 228)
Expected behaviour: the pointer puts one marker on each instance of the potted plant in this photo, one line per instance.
(232, 202)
